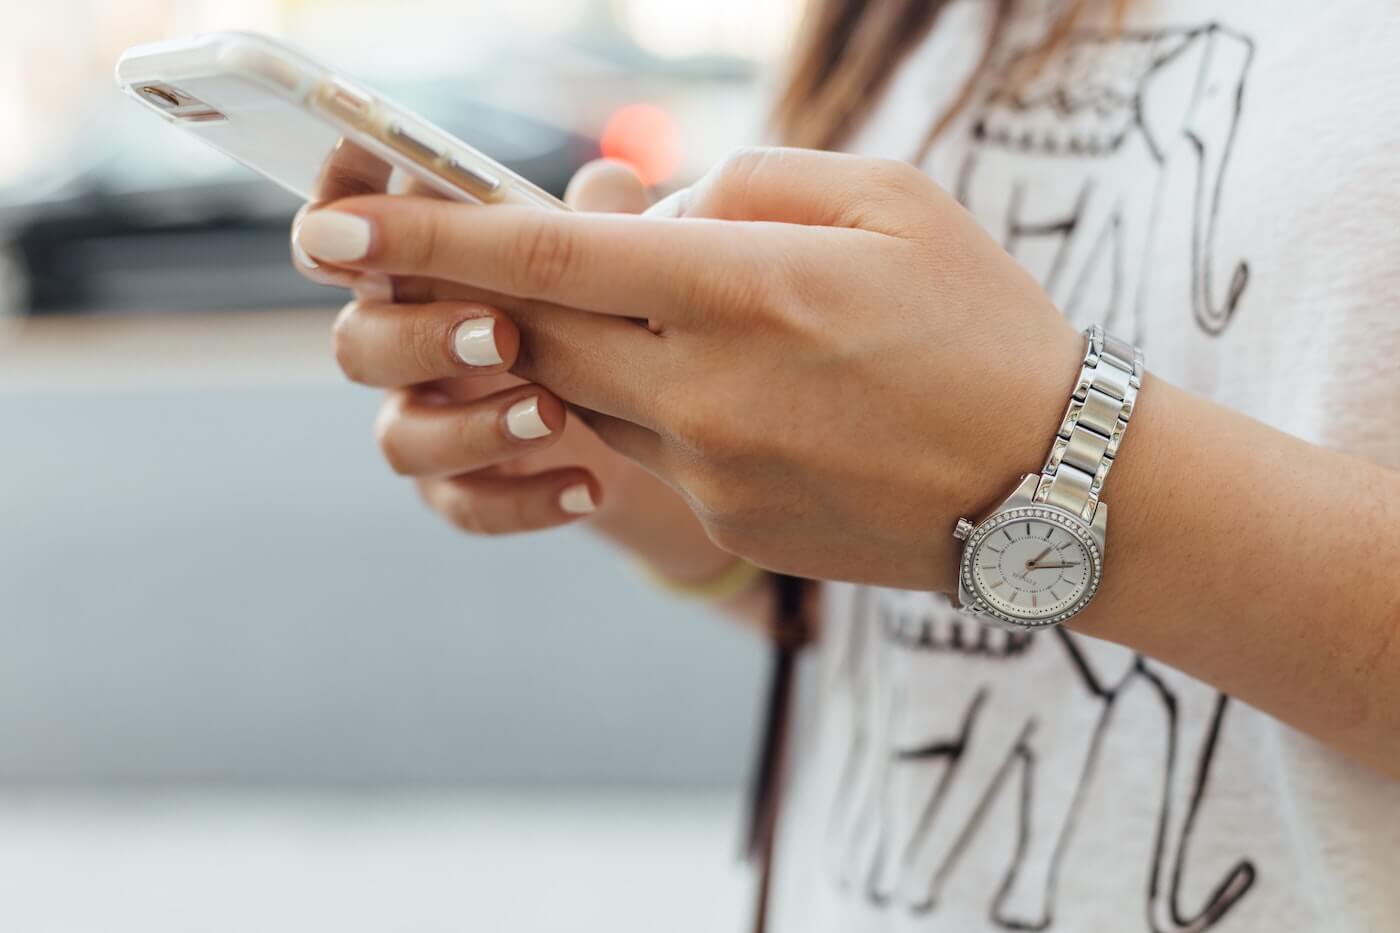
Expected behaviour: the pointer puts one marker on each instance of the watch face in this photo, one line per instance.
(1031, 566)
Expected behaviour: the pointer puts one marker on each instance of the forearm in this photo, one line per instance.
(1261, 564)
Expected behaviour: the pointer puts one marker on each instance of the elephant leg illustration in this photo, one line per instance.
(924, 772)
(1091, 240)
(1133, 269)
(1215, 63)
(957, 804)
(1195, 714)
(852, 822)
(855, 806)
(1058, 775)
(1004, 753)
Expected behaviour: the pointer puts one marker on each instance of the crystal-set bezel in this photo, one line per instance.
(1065, 520)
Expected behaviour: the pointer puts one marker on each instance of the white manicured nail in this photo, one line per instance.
(577, 500)
(302, 257)
(523, 420)
(475, 342)
(335, 236)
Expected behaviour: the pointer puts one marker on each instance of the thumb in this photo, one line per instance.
(607, 186)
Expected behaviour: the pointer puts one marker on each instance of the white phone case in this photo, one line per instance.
(314, 133)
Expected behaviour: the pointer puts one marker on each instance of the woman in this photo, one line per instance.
(844, 359)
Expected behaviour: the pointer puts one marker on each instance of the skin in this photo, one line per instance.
(840, 362)
(469, 469)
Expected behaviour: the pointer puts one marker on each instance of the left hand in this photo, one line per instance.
(840, 361)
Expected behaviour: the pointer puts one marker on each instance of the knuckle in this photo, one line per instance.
(391, 448)
(419, 341)
(896, 175)
(489, 523)
(763, 289)
(896, 189)
(748, 292)
(344, 345)
(737, 170)
(889, 189)
(464, 514)
(390, 440)
(422, 244)
(515, 515)
(474, 440)
(544, 253)
(796, 301)
(486, 514)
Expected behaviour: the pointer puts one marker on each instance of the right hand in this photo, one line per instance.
(488, 451)
(445, 423)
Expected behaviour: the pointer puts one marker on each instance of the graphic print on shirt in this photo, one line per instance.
(1100, 121)
(952, 762)
(1068, 168)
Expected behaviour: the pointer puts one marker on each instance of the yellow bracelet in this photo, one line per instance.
(736, 577)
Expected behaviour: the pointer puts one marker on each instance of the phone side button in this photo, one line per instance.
(341, 100)
(480, 184)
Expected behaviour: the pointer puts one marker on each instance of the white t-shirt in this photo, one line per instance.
(1220, 183)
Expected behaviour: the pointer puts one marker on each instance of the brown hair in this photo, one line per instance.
(849, 49)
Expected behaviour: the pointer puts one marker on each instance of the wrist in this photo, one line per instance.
(1009, 440)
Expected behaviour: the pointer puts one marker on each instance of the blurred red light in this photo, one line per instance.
(645, 137)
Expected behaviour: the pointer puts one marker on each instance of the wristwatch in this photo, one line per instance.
(1036, 560)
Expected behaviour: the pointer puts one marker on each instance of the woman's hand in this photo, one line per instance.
(839, 363)
(842, 362)
(489, 451)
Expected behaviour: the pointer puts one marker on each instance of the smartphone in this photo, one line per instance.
(309, 130)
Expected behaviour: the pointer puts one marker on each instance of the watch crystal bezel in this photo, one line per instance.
(1070, 523)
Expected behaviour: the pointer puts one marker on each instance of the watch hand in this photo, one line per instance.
(1036, 559)
(1052, 566)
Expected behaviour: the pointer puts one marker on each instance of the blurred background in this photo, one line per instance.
(246, 682)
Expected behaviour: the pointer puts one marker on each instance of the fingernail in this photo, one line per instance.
(335, 235)
(577, 500)
(523, 420)
(299, 253)
(475, 343)
(375, 287)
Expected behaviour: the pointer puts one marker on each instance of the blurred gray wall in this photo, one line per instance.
(226, 584)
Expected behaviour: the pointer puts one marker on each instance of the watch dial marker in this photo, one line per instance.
(1032, 558)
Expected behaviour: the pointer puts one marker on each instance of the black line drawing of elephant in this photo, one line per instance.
(1115, 108)
(968, 753)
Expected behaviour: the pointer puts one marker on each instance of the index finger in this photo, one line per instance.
(633, 266)
(348, 170)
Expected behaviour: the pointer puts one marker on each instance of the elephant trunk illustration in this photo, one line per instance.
(1210, 131)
